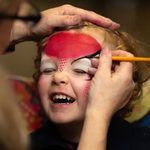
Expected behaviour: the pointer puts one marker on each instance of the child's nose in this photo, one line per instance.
(60, 78)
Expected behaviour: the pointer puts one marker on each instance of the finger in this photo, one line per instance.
(63, 20)
(48, 23)
(92, 71)
(121, 53)
(94, 62)
(89, 16)
(105, 62)
(124, 67)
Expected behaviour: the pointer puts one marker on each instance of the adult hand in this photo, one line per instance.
(110, 90)
(64, 15)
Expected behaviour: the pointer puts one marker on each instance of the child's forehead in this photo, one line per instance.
(71, 44)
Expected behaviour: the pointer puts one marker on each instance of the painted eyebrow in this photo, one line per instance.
(87, 56)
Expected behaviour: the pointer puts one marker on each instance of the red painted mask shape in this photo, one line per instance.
(68, 45)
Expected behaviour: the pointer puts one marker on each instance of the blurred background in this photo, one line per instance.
(133, 15)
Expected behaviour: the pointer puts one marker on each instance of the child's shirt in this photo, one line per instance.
(121, 136)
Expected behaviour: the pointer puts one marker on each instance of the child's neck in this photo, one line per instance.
(70, 132)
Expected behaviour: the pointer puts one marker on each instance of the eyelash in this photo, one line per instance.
(51, 70)
(48, 71)
(80, 71)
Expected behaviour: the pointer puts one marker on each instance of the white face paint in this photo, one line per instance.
(81, 66)
(75, 67)
(48, 66)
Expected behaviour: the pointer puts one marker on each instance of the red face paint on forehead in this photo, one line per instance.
(67, 44)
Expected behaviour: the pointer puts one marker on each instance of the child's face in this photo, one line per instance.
(64, 81)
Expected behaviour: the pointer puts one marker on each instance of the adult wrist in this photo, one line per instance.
(100, 115)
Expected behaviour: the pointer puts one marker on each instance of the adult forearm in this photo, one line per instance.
(94, 133)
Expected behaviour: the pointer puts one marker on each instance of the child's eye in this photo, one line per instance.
(48, 70)
(80, 71)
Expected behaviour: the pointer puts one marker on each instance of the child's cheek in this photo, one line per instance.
(86, 90)
(41, 81)
(42, 85)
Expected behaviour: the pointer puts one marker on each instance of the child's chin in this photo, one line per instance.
(66, 121)
(61, 121)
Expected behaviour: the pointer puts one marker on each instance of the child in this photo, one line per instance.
(63, 78)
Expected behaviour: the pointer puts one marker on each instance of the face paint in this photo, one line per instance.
(62, 63)
(65, 45)
(86, 90)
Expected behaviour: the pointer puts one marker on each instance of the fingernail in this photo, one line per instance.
(115, 26)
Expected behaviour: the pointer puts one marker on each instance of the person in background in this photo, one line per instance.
(35, 26)
(13, 133)
(19, 24)
(83, 109)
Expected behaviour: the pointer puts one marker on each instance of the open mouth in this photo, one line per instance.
(61, 98)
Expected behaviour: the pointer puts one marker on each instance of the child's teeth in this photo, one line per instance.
(68, 98)
(62, 97)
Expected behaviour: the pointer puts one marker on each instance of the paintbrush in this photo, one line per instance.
(125, 58)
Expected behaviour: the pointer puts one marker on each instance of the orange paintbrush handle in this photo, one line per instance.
(124, 58)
